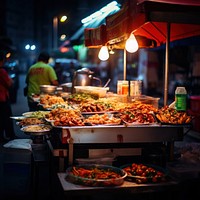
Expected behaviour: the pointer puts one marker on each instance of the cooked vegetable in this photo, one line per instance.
(144, 173)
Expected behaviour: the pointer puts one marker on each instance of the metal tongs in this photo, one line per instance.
(108, 81)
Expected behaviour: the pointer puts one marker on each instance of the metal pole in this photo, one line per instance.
(166, 65)
(55, 33)
(124, 64)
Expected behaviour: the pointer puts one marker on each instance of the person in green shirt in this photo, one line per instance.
(40, 73)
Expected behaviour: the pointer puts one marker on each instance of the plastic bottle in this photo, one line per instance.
(180, 99)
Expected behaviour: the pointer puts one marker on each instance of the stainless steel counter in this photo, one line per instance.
(121, 134)
(127, 188)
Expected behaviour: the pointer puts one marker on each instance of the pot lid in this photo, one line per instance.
(85, 71)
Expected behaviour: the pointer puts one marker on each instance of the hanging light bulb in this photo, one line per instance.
(131, 44)
(103, 53)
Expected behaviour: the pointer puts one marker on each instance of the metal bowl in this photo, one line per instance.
(67, 87)
(48, 89)
(36, 130)
(116, 180)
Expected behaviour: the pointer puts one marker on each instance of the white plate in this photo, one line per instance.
(18, 118)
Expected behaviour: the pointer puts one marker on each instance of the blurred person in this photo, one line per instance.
(59, 72)
(6, 123)
(71, 70)
(40, 73)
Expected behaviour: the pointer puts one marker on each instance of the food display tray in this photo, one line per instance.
(95, 175)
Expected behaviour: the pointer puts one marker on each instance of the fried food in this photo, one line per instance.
(66, 117)
(30, 121)
(102, 119)
(172, 116)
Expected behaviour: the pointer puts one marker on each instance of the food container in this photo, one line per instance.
(36, 130)
(102, 175)
(36, 114)
(99, 91)
(145, 173)
(145, 99)
(135, 87)
(67, 87)
(122, 87)
(48, 89)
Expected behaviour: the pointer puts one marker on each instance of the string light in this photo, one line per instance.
(103, 53)
(131, 44)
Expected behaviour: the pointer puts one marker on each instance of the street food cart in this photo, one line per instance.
(161, 22)
(117, 137)
(120, 139)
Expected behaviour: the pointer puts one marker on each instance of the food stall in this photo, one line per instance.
(153, 23)
(120, 138)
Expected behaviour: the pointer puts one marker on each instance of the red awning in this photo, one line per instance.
(163, 21)
(149, 18)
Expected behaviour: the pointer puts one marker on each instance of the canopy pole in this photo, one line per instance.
(166, 65)
(124, 64)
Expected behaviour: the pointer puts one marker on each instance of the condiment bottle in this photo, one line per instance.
(135, 88)
(122, 87)
(180, 99)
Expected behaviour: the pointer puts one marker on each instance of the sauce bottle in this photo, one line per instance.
(180, 99)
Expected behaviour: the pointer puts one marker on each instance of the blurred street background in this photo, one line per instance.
(20, 106)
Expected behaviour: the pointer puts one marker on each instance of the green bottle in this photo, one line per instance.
(180, 99)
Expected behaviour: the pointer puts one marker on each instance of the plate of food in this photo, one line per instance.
(39, 129)
(168, 115)
(137, 118)
(95, 175)
(103, 119)
(145, 173)
(30, 121)
(37, 114)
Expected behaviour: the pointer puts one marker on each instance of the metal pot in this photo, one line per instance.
(84, 77)
(67, 87)
(47, 89)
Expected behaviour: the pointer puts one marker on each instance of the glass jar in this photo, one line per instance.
(122, 87)
(135, 88)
